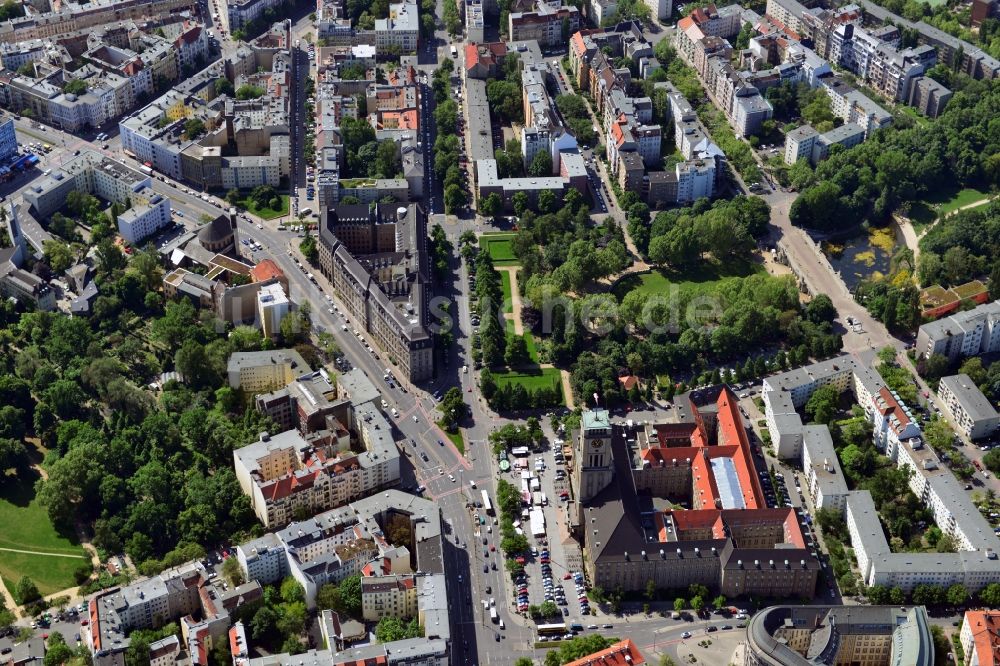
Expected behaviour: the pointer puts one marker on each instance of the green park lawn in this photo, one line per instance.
(500, 247)
(266, 213)
(508, 303)
(925, 213)
(531, 379)
(962, 198)
(703, 280)
(26, 526)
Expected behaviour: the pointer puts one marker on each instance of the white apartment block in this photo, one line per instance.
(824, 477)
(972, 411)
(974, 565)
(144, 218)
(241, 12)
(969, 333)
(272, 306)
(107, 179)
(400, 29)
(259, 372)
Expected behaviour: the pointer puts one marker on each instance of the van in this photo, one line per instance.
(502, 625)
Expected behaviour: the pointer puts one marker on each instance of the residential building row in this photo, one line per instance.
(94, 173)
(121, 66)
(550, 23)
(246, 143)
(633, 139)
(66, 17)
(399, 579)
(876, 55)
(976, 417)
(628, 479)
(394, 112)
(795, 63)
(968, 333)
(543, 129)
(701, 41)
(398, 33)
(898, 436)
(873, 635)
(188, 594)
(341, 452)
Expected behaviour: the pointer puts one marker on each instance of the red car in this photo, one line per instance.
(567, 576)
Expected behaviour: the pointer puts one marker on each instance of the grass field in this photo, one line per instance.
(703, 280)
(26, 526)
(531, 379)
(500, 248)
(267, 213)
(508, 305)
(927, 212)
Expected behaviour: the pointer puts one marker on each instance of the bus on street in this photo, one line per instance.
(487, 504)
(557, 628)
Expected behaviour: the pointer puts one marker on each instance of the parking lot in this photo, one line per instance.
(553, 567)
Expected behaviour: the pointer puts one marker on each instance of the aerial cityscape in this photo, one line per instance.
(499, 333)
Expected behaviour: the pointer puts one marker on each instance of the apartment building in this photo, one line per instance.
(897, 434)
(707, 21)
(549, 24)
(980, 637)
(805, 143)
(261, 371)
(400, 29)
(241, 12)
(107, 179)
(175, 594)
(376, 258)
(291, 472)
(246, 142)
(353, 537)
(728, 540)
(272, 306)
(8, 140)
(349, 540)
(864, 635)
(928, 96)
(700, 40)
(972, 411)
(968, 333)
(970, 59)
(67, 17)
(826, 482)
(852, 106)
(26, 288)
(303, 404)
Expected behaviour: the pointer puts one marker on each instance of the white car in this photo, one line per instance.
(415, 419)
(686, 634)
(451, 477)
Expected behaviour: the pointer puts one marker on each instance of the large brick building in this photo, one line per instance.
(630, 480)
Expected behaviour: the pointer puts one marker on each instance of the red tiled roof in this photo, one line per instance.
(623, 653)
(266, 270)
(576, 42)
(985, 626)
